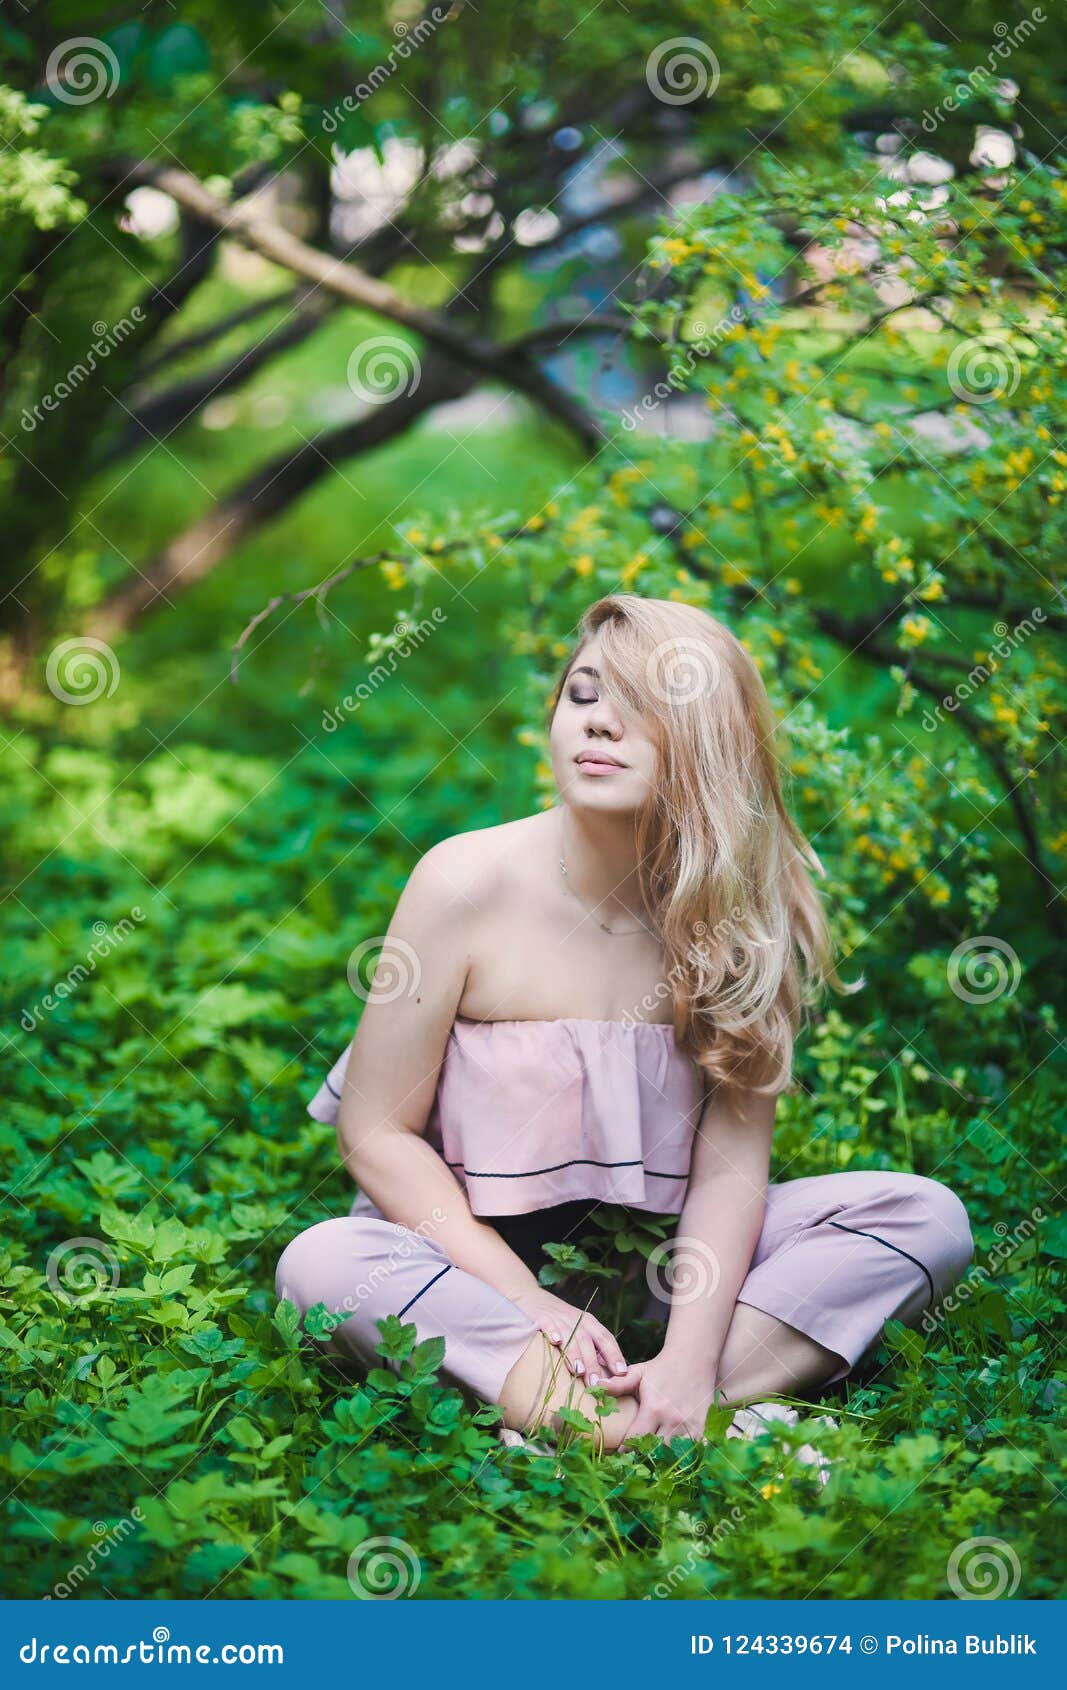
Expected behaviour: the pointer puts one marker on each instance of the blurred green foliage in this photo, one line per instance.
(190, 862)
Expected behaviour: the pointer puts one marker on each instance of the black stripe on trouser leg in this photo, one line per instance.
(861, 1234)
(425, 1288)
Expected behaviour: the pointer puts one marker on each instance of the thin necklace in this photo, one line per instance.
(615, 932)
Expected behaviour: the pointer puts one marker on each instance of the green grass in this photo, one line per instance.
(158, 1111)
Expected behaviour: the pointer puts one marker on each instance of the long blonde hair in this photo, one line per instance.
(723, 868)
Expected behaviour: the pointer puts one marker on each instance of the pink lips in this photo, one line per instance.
(597, 766)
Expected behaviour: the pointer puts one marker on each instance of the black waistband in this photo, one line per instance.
(528, 1234)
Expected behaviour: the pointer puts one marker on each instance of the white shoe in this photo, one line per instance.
(757, 1417)
(512, 1439)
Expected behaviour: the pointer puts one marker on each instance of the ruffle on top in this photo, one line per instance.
(532, 1113)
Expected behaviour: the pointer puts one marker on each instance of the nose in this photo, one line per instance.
(604, 719)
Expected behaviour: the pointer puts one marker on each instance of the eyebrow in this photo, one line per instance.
(585, 670)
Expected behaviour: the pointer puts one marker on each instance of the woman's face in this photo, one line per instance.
(589, 723)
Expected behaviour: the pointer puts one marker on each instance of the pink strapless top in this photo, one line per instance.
(532, 1113)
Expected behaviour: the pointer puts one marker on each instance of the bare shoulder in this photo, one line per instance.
(474, 870)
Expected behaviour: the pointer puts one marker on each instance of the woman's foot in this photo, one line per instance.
(758, 1417)
(512, 1439)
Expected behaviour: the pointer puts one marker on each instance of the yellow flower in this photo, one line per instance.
(915, 629)
(676, 250)
(768, 1490)
(583, 565)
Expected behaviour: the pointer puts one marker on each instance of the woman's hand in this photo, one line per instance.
(588, 1348)
(672, 1400)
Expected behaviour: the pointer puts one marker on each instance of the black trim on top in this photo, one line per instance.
(425, 1288)
(861, 1234)
(576, 1162)
(330, 1089)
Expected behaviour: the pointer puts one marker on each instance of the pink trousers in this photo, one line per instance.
(838, 1256)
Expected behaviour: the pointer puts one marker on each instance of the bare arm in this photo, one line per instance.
(393, 1067)
(720, 1223)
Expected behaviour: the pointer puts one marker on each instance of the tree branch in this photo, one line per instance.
(859, 639)
(270, 489)
(184, 348)
(162, 413)
(351, 283)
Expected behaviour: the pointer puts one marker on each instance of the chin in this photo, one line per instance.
(594, 795)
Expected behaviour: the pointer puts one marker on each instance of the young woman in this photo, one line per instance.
(596, 1004)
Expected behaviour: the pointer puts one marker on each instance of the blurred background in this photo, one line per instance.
(349, 353)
